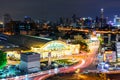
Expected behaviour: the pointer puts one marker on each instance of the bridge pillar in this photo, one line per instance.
(117, 36)
(109, 38)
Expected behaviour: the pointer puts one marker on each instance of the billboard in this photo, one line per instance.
(110, 56)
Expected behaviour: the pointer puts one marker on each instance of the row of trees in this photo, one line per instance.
(3, 59)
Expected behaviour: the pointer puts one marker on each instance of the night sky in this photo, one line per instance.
(53, 9)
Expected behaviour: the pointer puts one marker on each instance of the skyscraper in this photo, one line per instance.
(7, 18)
(102, 18)
(102, 13)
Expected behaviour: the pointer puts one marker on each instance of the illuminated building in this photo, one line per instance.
(30, 62)
(57, 49)
(117, 45)
(102, 13)
(117, 21)
(103, 20)
(45, 45)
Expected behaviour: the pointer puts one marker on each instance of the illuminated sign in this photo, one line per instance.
(111, 56)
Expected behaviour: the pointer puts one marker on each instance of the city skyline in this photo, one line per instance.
(52, 10)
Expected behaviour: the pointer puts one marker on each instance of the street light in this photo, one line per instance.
(16, 77)
(26, 77)
(56, 70)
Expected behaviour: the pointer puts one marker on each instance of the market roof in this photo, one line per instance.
(28, 41)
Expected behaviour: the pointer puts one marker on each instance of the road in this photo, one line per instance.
(85, 59)
(83, 62)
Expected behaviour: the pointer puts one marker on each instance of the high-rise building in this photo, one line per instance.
(102, 13)
(102, 18)
(74, 18)
(6, 20)
(28, 19)
(117, 45)
(117, 21)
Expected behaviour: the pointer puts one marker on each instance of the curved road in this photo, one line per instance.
(83, 62)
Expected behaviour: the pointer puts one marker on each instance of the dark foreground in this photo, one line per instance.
(89, 76)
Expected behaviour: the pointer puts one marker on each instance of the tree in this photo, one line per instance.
(101, 42)
(82, 42)
(3, 59)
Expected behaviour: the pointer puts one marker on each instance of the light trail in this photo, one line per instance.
(81, 64)
(78, 66)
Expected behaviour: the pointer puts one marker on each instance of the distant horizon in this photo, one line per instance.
(54, 18)
(53, 9)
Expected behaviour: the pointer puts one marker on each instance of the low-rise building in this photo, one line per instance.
(30, 62)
